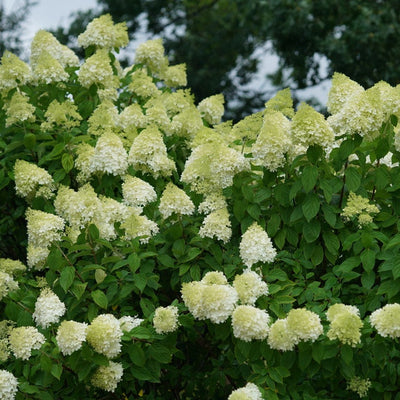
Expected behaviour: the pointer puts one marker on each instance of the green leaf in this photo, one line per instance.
(140, 281)
(78, 288)
(56, 370)
(331, 241)
(273, 225)
(100, 298)
(147, 306)
(347, 354)
(67, 277)
(309, 177)
(368, 279)
(134, 262)
(368, 260)
(67, 162)
(160, 353)
(389, 288)
(310, 206)
(311, 230)
(141, 332)
(329, 214)
(353, 179)
(136, 354)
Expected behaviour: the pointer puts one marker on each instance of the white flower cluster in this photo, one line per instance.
(108, 376)
(165, 319)
(248, 392)
(217, 224)
(250, 323)
(70, 336)
(48, 309)
(175, 201)
(386, 320)
(8, 385)
(249, 287)
(127, 323)
(23, 340)
(137, 192)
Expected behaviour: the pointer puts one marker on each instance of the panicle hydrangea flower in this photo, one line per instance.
(23, 340)
(187, 123)
(248, 392)
(84, 154)
(192, 293)
(386, 320)
(256, 246)
(249, 287)
(250, 323)
(362, 113)
(137, 192)
(359, 385)
(70, 336)
(151, 54)
(212, 201)
(13, 71)
(10, 266)
(127, 323)
(18, 109)
(108, 376)
(273, 141)
(103, 119)
(212, 166)
(104, 335)
(280, 337)
(304, 324)
(102, 32)
(214, 278)
(177, 101)
(175, 201)
(217, 224)
(32, 181)
(248, 128)
(390, 97)
(156, 114)
(166, 319)
(360, 208)
(142, 84)
(48, 69)
(48, 309)
(8, 385)
(281, 102)
(4, 351)
(64, 114)
(45, 41)
(97, 70)
(345, 324)
(309, 127)
(78, 208)
(207, 135)
(175, 75)
(43, 228)
(342, 89)
(212, 108)
(7, 284)
(132, 116)
(36, 256)
(140, 226)
(109, 155)
(149, 153)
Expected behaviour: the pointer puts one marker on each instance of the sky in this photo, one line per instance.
(47, 14)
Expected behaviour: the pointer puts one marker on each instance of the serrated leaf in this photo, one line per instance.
(309, 177)
(310, 206)
(311, 231)
(368, 259)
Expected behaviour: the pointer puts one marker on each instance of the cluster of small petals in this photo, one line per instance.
(192, 293)
(127, 323)
(280, 337)
(108, 376)
(70, 336)
(309, 127)
(273, 141)
(102, 32)
(104, 335)
(31, 180)
(156, 114)
(345, 324)
(212, 201)
(212, 108)
(142, 84)
(206, 135)
(151, 54)
(132, 116)
(43, 228)
(109, 155)
(177, 101)
(23, 340)
(214, 278)
(282, 102)
(248, 128)
(13, 71)
(48, 69)
(165, 319)
(359, 385)
(103, 119)
(256, 246)
(248, 392)
(84, 154)
(4, 350)
(7, 284)
(175, 75)
(137, 192)
(304, 324)
(342, 89)
(149, 153)
(10, 266)
(48, 309)
(249, 287)
(96, 70)
(175, 201)
(250, 323)
(18, 109)
(386, 320)
(390, 97)
(187, 123)
(36, 256)
(8, 385)
(140, 226)
(64, 114)
(360, 208)
(217, 224)
(212, 166)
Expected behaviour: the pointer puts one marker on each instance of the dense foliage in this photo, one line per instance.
(172, 256)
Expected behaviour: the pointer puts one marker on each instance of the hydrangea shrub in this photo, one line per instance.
(169, 255)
